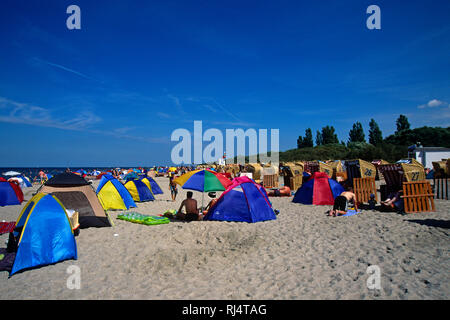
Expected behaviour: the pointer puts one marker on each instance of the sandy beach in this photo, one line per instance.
(303, 254)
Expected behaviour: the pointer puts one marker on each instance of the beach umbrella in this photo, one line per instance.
(203, 180)
(12, 173)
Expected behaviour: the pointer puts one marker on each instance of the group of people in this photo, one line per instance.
(189, 210)
(347, 200)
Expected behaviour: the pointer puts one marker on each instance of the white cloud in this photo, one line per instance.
(163, 115)
(433, 104)
(24, 113)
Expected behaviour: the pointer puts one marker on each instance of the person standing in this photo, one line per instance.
(173, 188)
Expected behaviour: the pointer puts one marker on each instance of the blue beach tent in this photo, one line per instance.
(10, 193)
(44, 233)
(151, 183)
(243, 201)
(139, 191)
(319, 190)
(113, 195)
(25, 182)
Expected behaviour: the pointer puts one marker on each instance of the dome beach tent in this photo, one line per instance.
(243, 201)
(113, 195)
(44, 233)
(139, 191)
(319, 190)
(23, 181)
(10, 193)
(76, 193)
(152, 185)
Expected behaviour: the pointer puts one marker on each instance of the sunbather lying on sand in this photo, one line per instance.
(282, 192)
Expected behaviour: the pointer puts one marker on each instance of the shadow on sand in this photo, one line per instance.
(433, 223)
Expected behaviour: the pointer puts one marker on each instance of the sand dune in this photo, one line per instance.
(304, 254)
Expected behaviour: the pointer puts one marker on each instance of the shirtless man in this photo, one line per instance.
(341, 202)
(191, 209)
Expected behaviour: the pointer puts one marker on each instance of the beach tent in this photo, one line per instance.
(99, 176)
(139, 191)
(22, 181)
(319, 190)
(10, 193)
(131, 176)
(153, 186)
(243, 200)
(44, 234)
(113, 195)
(76, 193)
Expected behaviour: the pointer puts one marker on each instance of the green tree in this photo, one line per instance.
(299, 142)
(357, 133)
(329, 136)
(402, 123)
(308, 140)
(319, 140)
(375, 135)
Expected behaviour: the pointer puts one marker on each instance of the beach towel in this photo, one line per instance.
(7, 227)
(142, 218)
(350, 213)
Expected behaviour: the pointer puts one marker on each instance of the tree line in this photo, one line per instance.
(390, 148)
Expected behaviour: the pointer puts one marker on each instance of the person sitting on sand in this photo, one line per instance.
(282, 192)
(211, 203)
(341, 203)
(393, 201)
(191, 209)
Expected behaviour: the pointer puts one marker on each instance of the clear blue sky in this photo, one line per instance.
(113, 92)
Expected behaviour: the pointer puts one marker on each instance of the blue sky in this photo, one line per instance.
(112, 93)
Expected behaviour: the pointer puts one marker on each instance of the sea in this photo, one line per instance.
(33, 173)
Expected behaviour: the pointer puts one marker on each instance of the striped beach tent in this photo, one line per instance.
(139, 191)
(113, 194)
(151, 183)
(320, 190)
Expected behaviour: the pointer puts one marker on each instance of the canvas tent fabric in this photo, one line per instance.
(152, 185)
(66, 179)
(113, 195)
(243, 201)
(10, 193)
(139, 191)
(319, 190)
(46, 234)
(359, 169)
(77, 194)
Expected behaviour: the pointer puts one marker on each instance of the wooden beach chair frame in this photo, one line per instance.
(363, 188)
(418, 197)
